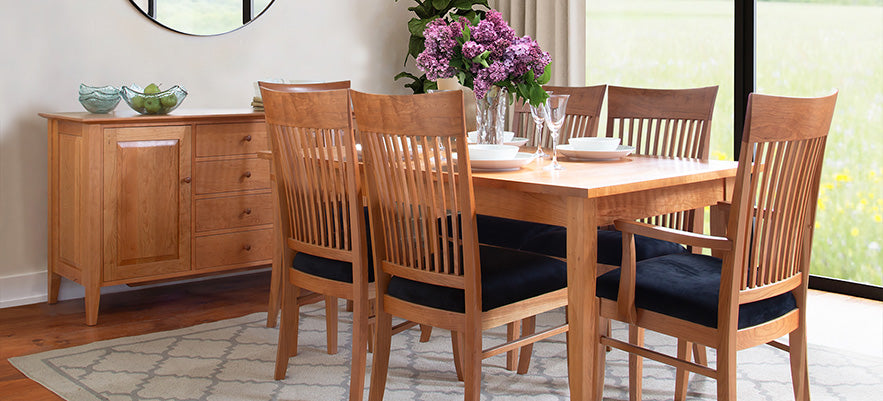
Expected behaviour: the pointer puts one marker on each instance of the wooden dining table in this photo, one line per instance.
(589, 194)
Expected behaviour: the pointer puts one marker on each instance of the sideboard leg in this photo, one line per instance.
(54, 285)
(92, 296)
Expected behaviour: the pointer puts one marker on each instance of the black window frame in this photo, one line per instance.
(744, 70)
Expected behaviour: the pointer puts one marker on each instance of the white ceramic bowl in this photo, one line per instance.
(595, 143)
(492, 152)
(472, 136)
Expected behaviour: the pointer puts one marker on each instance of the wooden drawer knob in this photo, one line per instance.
(187, 180)
(247, 174)
(247, 211)
(247, 247)
(247, 138)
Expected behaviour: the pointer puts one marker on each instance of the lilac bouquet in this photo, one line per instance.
(484, 55)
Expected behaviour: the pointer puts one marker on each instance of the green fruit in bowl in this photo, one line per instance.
(151, 89)
(138, 102)
(152, 105)
(169, 100)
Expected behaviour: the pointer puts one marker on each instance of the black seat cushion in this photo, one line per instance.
(507, 276)
(554, 243)
(509, 233)
(330, 268)
(686, 286)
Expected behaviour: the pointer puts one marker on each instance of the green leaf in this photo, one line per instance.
(467, 34)
(405, 74)
(462, 4)
(441, 5)
(547, 75)
(427, 85)
(423, 10)
(415, 46)
(417, 26)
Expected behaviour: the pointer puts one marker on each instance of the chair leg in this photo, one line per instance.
(512, 329)
(799, 367)
(528, 327)
(349, 305)
(608, 330)
(682, 376)
(277, 286)
(600, 361)
(471, 355)
(726, 372)
(425, 333)
(636, 363)
(361, 333)
(699, 354)
(287, 344)
(456, 348)
(331, 324)
(380, 364)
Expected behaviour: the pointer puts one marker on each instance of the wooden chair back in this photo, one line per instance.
(419, 191)
(320, 195)
(304, 87)
(583, 113)
(664, 122)
(776, 193)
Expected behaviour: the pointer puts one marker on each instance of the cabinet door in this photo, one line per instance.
(146, 201)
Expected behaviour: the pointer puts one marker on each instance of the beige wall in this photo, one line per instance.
(49, 47)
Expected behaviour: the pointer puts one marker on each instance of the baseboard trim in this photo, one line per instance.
(31, 288)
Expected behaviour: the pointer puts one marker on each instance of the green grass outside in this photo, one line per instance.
(803, 49)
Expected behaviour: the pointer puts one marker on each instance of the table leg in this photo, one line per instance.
(582, 310)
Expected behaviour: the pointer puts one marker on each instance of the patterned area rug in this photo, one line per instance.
(233, 360)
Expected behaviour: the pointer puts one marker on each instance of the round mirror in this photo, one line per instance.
(202, 17)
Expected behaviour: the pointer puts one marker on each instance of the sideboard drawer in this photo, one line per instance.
(234, 248)
(231, 175)
(234, 211)
(231, 139)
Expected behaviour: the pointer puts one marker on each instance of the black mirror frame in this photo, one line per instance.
(247, 8)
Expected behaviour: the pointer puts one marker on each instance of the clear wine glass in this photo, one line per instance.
(538, 113)
(555, 108)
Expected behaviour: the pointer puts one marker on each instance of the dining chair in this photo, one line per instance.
(431, 268)
(322, 218)
(756, 293)
(276, 282)
(657, 122)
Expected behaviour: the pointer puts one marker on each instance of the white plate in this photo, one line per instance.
(517, 141)
(519, 161)
(574, 153)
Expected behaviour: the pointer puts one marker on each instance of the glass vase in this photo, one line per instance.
(491, 116)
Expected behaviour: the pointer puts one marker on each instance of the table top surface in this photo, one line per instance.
(125, 114)
(604, 178)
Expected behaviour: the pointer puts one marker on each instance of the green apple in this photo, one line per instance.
(169, 100)
(151, 89)
(137, 102)
(152, 105)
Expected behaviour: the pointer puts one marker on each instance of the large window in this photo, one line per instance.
(803, 48)
(666, 44)
(807, 48)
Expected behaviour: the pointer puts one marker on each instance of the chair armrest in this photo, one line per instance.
(265, 154)
(672, 235)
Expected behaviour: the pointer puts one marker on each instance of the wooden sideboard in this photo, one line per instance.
(137, 199)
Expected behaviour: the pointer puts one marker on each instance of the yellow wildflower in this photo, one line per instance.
(854, 232)
(878, 218)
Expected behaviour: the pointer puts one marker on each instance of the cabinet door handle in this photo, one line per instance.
(247, 174)
(247, 138)
(247, 247)
(247, 211)
(187, 180)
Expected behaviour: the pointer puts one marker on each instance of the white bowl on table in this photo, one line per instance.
(492, 152)
(472, 136)
(595, 144)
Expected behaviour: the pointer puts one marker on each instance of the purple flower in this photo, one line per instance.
(510, 57)
(471, 49)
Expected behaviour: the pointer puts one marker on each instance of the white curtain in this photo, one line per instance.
(559, 26)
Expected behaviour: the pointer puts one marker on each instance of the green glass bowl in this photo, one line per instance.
(99, 99)
(155, 103)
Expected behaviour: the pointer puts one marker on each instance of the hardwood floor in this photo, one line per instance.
(41, 327)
